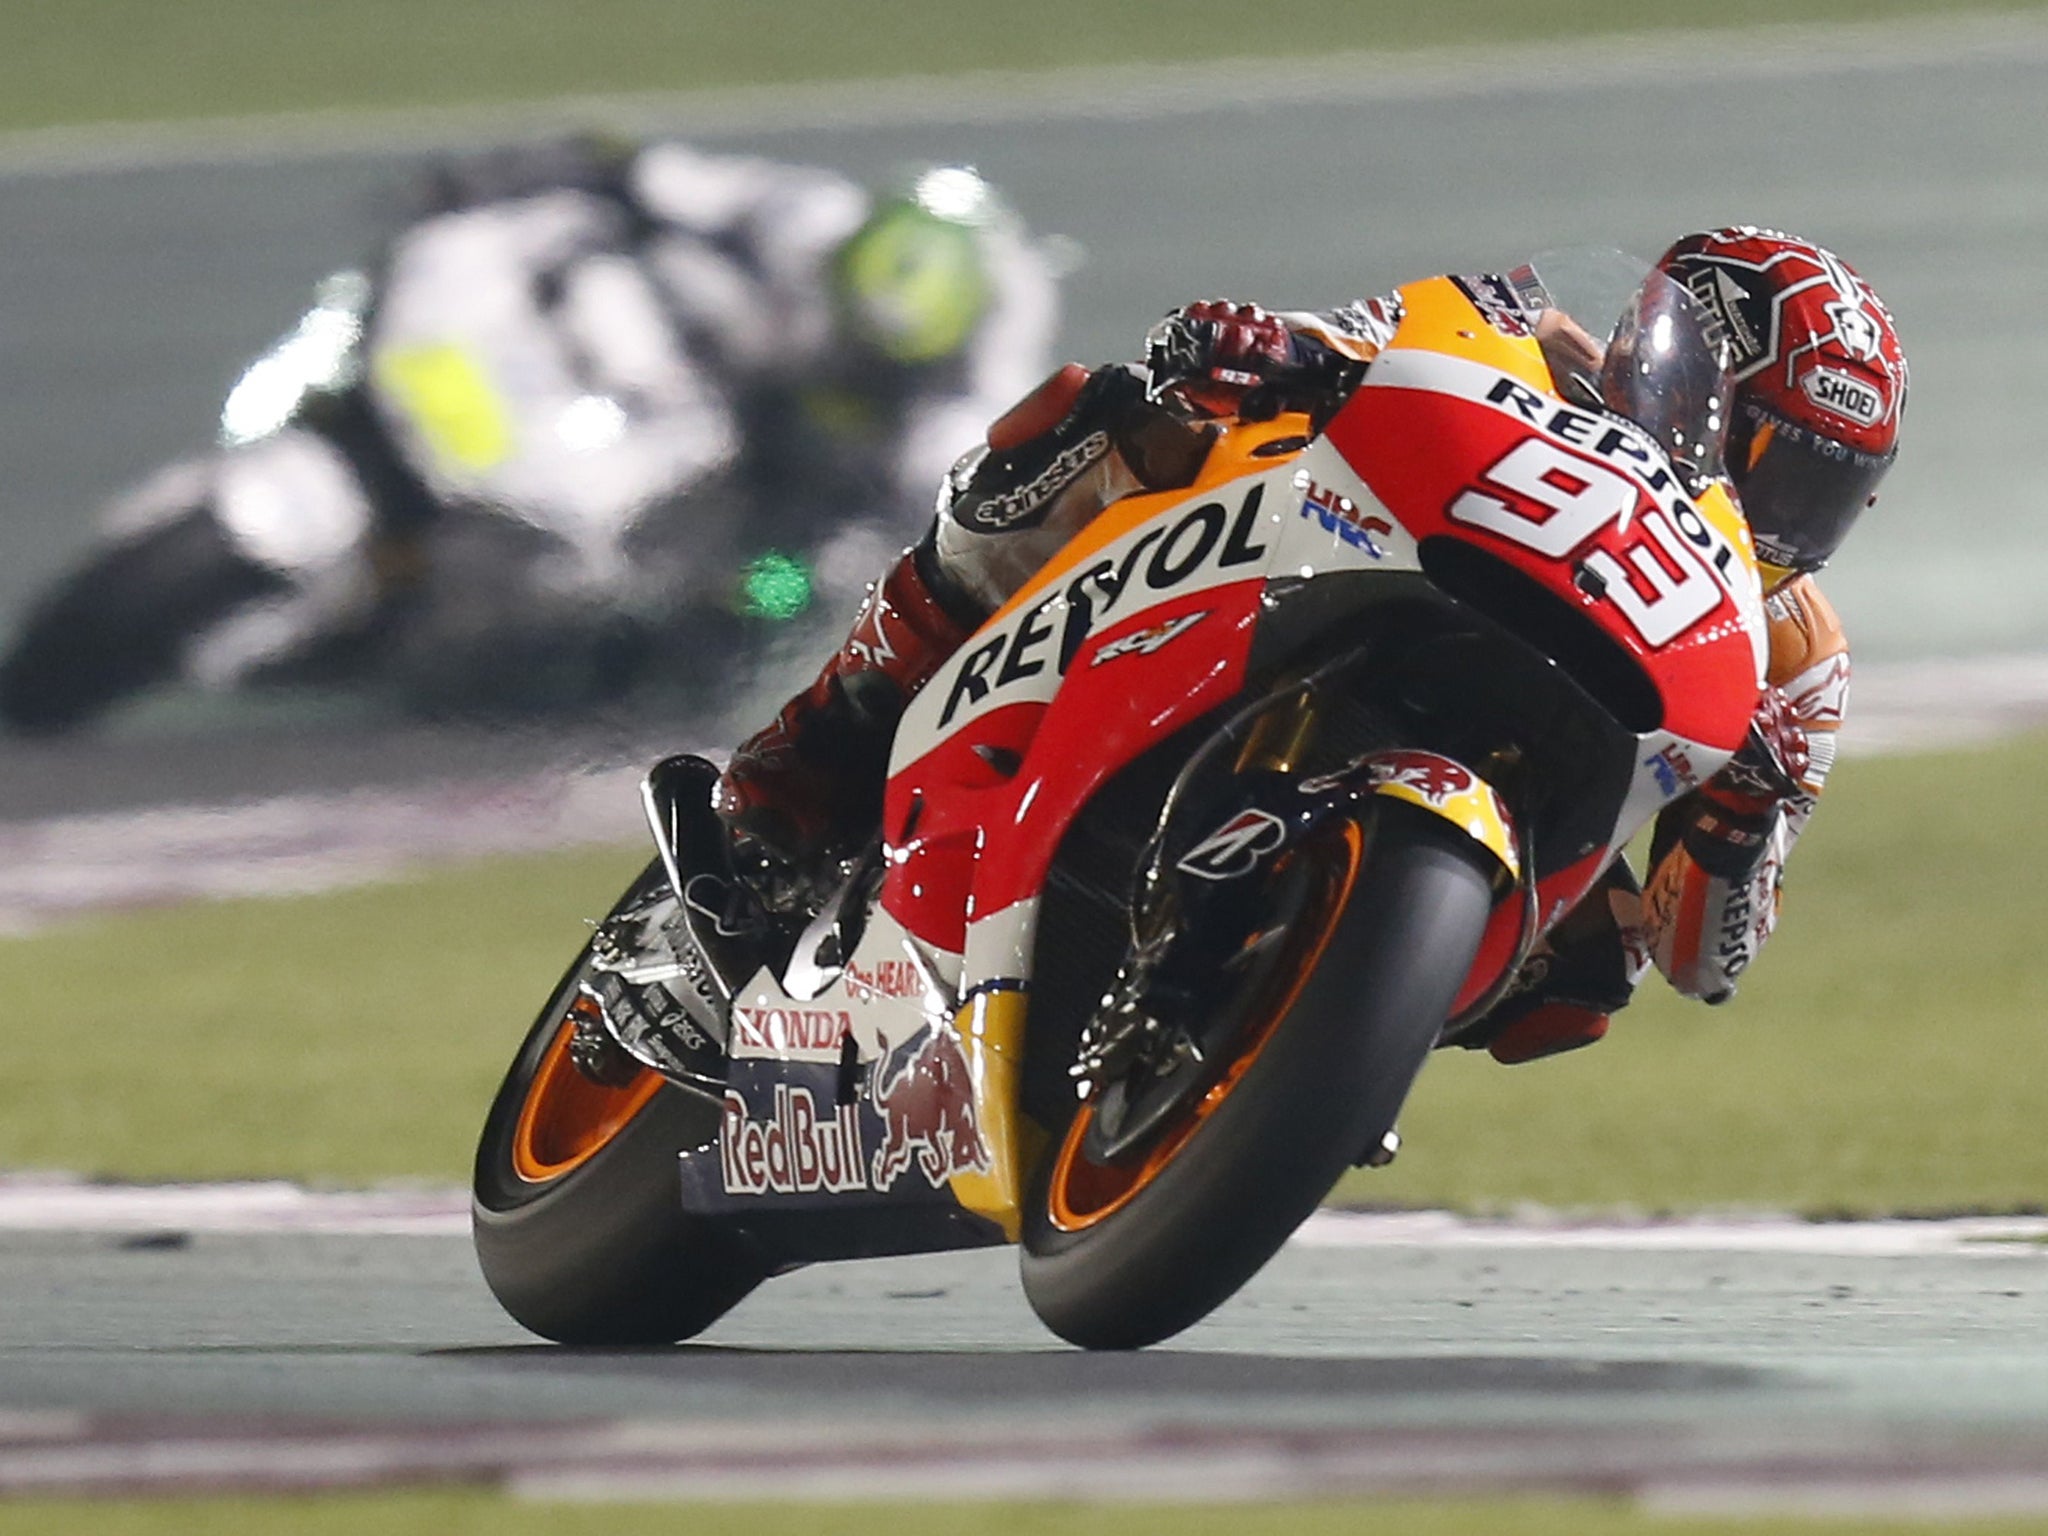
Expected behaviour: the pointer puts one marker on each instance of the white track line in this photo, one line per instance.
(1029, 1457)
(1738, 1234)
(1920, 706)
(30, 1203)
(296, 844)
(1693, 58)
(1882, 1503)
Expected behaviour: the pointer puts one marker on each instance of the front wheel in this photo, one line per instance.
(1371, 927)
(121, 622)
(576, 1203)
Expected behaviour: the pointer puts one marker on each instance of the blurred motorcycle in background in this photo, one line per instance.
(595, 416)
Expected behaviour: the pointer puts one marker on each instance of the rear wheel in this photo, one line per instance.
(576, 1201)
(1337, 995)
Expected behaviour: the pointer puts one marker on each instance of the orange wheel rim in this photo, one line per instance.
(1084, 1193)
(567, 1119)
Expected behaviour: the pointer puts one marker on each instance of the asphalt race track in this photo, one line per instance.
(1901, 1366)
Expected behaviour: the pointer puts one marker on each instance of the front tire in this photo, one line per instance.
(1386, 917)
(119, 624)
(576, 1199)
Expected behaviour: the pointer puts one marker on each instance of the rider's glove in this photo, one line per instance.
(1214, 351)
(1727, 824)
(1773, 762)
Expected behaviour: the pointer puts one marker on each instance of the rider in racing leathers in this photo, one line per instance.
(620, 363)
(1820, 387)
(891, 325)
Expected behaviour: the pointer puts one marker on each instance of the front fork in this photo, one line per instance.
(1188, 885)
(1431, 781)
(1280, 739)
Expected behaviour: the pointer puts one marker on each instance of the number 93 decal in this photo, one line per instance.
(1549, 501)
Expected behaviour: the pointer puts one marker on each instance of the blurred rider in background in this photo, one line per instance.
(586, 389)
(1820, 386)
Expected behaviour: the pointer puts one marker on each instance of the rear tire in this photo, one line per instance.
(576, 1202)
(1121, 1255)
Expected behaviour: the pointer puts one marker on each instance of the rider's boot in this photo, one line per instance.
(809, 786)
(1583, 972)
(1547, 1029)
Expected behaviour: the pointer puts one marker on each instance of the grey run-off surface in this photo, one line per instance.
(1421, 1359)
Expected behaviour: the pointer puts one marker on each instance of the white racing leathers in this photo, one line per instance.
(525, 361)
(743, 248)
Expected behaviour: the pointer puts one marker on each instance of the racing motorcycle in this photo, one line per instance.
(480, 497)
(1261, 789)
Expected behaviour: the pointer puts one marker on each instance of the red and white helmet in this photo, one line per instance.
(1820, 384)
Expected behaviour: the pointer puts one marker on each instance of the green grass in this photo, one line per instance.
(486, 1515)
(71, 61)
(1884, 1055)
(356, 1036)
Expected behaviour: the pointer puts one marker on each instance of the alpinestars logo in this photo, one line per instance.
(998, 514)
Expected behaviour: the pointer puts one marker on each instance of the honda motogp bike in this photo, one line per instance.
(1261, 789)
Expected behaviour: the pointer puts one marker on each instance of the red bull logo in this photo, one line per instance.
(1434, 778)
(927, 1110)
(798, 1152)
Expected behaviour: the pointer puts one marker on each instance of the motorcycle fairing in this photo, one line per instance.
(1362, 499)
(1025, 722)
(809, 1174)
(993, 758)
(1580, 500)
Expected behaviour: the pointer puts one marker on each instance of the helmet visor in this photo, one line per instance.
(1664, 372)
(1801, 492)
